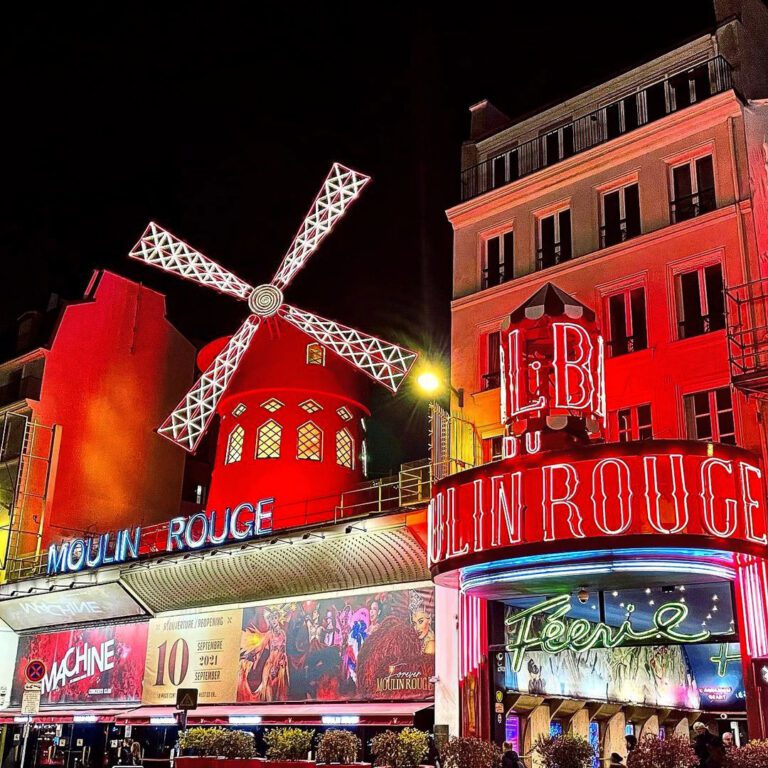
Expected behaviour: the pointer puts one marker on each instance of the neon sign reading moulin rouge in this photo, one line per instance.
(712, 491)
(203, 529)
(556, 634)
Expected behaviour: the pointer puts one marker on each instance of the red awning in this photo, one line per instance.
(370, 713)
(8, 716)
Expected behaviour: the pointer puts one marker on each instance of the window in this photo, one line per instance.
(272, 405)
(499, 259)
(239, 409)
(504, 168)
(557, 145)
(268, 440)
(492, 367)
(634, 423)
(621, 116)
(344, 413)
(693, 189)
(709, 416)
(626, 321)
(310, 406)
(345, 449)
(688, 87)
(309, 442)
(554, 244)
(700, 301)
(621, 215)
(492, 448)
(315, 354)
(235, 445)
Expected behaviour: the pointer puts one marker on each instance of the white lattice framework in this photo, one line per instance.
(383, 362)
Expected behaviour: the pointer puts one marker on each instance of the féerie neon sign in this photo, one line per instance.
(556, 634)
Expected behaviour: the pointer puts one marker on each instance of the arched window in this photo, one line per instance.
(309, 442)
(315, 354)
(268, 440)
(235, 445)
(345, 449)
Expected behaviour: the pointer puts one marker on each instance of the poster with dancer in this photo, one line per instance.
(377, 645)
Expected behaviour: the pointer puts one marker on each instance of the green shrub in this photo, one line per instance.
(400, 750)
(217, 742)
(565, 751)
(288, 743)
(468, 752)
(338, 747)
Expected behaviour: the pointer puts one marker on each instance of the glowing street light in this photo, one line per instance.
(429, 381)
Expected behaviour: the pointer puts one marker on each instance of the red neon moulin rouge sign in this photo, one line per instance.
(555, 485)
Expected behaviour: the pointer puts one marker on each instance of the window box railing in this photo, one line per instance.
(697, 326)
(690, 206)
(495, 276)
(615, 233)
(622, 116)
(551, 256)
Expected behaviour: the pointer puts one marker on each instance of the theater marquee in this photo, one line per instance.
(656, 488)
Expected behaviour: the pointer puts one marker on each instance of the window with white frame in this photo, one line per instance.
(620, 212)
(492, 448)
(634, 423)
(504, 168)
(235, 445)
(709, 416)
(626, 321)
(700, 301)
(499, 259)
(309, 442)
(557, 145)
(693, 188)
(345, 449)
(553, 239)
(268, 440)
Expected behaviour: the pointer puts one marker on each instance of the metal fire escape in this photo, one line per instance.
(26, 450)
(747, 329)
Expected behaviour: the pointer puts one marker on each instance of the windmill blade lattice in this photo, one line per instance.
(161, 249)
(384, 362)
(189, 420)
(340, 189)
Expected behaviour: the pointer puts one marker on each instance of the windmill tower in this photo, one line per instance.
(290, 413)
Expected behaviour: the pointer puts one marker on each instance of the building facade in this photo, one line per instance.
(643, 199)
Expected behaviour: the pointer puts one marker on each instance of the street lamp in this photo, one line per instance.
(429, 381)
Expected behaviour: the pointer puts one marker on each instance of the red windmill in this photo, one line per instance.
(383, 362)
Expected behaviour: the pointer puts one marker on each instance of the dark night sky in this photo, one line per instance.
(221, 120)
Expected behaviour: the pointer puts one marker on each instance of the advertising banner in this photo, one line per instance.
(102, 664)
(719, 675)
(76, 606)
(195, 650)
(9, 642)
(356, 647)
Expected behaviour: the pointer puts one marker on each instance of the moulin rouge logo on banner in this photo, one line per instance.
(654, 488)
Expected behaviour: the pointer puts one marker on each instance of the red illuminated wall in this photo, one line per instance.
(275, 367)
(115, 369)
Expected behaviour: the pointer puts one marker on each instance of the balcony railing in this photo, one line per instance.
(690, 206)
(701, 324)
(675, 92)
(495, 276)
(552, 255)
(618, 232)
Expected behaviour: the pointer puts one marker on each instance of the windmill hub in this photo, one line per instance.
(265, 300)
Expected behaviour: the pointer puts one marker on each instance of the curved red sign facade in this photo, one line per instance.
(660, 489)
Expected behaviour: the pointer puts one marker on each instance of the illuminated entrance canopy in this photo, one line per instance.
(653, 488)
(556, 634)
(245, 521)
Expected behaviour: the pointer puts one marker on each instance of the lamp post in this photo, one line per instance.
(429, 382)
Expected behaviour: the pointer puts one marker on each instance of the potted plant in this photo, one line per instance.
(289, 747)
(565, 751)
(338, 747)
(751, 755)
(468, 752)
(209, 747)
(400, 750)
(672, 752)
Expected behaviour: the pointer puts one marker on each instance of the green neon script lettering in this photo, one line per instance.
(556, 635)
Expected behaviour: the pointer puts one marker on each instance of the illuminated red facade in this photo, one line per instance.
(291, 427)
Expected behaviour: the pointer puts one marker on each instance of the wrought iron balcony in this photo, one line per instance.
(690, 206)
(671, 94)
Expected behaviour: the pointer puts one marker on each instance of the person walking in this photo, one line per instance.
(702, 739)
(510, 758)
